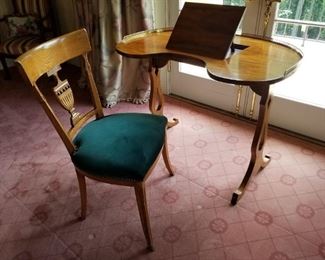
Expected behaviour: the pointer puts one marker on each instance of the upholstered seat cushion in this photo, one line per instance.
(121, 146)
(20, 44)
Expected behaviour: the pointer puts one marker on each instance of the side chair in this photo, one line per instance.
(120, 149)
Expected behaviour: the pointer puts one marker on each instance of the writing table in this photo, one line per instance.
(254, 62)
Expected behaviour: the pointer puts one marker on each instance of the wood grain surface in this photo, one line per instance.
(261, 62)
(205, 29)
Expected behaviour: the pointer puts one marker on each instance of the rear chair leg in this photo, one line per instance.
(83, 194)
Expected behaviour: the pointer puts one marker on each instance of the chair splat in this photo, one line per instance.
(64, 96)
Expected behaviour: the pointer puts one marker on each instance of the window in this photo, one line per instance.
(301, 20)
(302, 23)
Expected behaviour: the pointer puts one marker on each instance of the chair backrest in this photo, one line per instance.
(42, 9)
(46, 59)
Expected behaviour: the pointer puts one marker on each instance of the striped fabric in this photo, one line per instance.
(18, 45)
(40, 8)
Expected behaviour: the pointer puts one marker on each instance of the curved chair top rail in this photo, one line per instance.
(255, 62)
(55, 51)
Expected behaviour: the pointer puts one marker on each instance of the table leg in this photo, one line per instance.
(156, 102)
(258, 159)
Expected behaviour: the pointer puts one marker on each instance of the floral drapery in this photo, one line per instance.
(107, 21)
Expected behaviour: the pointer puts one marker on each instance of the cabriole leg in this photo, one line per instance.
(258, 159)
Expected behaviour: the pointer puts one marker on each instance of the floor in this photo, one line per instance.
(281, 216)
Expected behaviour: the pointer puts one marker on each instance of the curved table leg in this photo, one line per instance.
(156, 102)
(258, 160)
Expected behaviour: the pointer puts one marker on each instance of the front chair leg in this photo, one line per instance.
(140, 194)
(83, 194)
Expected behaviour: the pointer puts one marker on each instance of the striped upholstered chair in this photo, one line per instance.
(30, 24)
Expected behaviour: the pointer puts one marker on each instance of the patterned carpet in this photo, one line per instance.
(281, 216)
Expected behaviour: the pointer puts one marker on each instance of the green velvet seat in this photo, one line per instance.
(122, 146)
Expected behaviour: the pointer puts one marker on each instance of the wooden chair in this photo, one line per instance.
(120, 148)
(30, 24)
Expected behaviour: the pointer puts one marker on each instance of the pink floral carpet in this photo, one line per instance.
(281, 216)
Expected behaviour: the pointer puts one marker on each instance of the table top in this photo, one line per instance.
(257, 62)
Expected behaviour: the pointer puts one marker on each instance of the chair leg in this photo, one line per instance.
(166, 158)
(140, 194)
(6, 71)
(83, 195)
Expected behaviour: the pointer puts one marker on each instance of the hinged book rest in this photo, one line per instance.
(205, 29)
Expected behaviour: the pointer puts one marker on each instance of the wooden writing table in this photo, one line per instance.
(256, 63)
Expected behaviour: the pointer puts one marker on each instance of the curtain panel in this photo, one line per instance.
(107, 22)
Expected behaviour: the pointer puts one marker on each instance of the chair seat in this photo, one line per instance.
(17, 45)
(122, 146)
